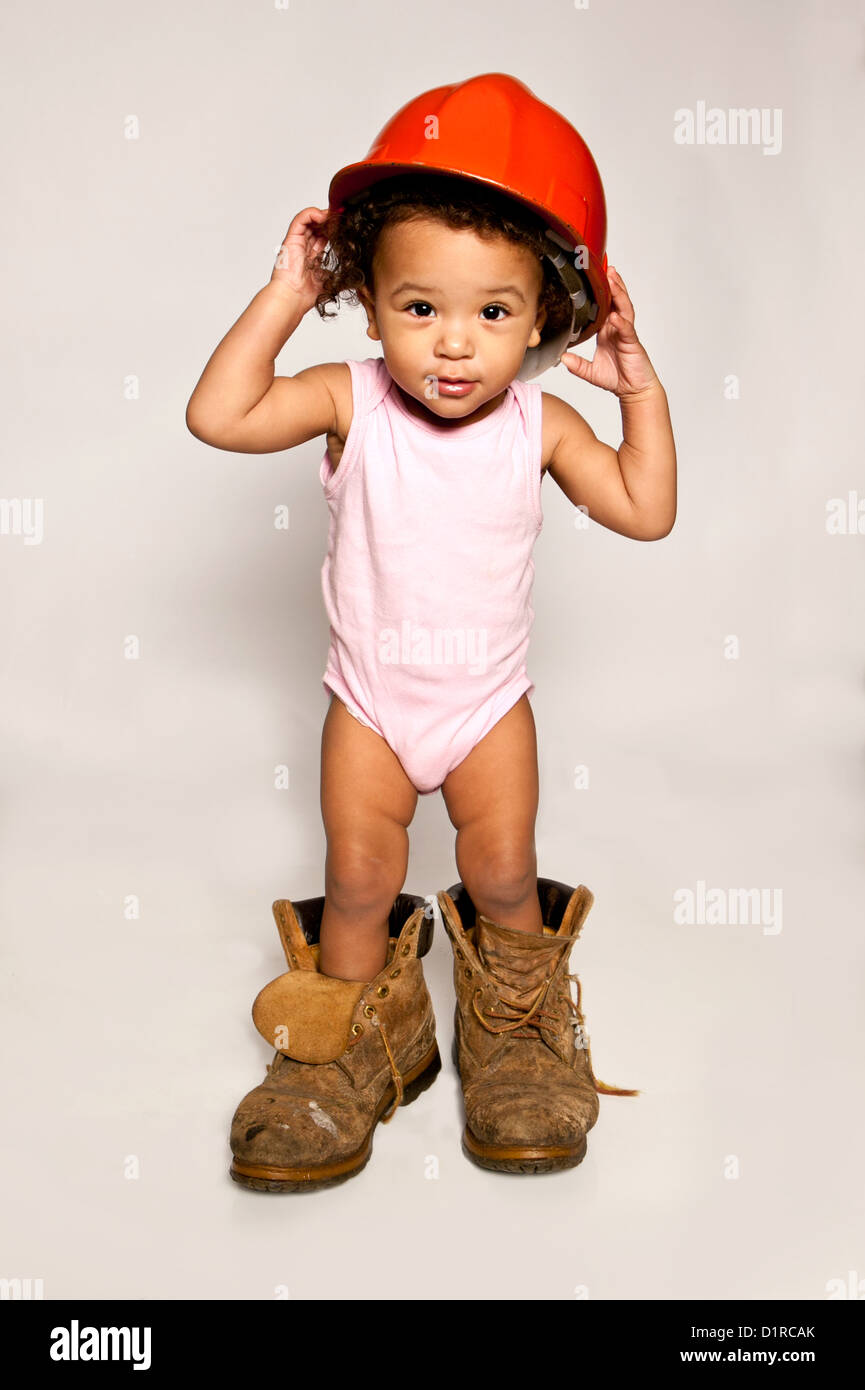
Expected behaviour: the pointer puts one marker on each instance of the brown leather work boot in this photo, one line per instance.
(345, 1051)
(520, 1047)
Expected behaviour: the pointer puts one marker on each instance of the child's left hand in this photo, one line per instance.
(621, 363)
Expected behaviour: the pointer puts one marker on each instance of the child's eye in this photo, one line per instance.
(422, 304)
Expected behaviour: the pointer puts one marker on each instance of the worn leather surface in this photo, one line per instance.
(531, 1085)
(306, 1015)
(300, 920)
(309, 1114)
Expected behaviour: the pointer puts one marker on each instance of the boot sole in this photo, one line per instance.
(264, 1178)
(518, 1158)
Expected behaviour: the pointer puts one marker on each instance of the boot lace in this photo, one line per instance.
(521, 1021)
(394, 1069)
(273, 1068)
(278, 1058)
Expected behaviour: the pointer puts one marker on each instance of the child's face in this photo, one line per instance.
(448, 303)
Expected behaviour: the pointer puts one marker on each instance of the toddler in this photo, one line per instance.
(436, 454)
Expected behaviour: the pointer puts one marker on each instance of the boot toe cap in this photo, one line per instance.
(292, 1133)
(512, 1115)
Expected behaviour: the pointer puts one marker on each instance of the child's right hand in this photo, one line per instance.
(303, 241)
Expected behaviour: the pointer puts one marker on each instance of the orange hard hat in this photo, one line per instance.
(493, 130)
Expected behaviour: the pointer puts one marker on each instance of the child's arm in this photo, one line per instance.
(238, 404)
(631, 490)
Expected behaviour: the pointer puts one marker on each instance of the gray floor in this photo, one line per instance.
(736, 1173)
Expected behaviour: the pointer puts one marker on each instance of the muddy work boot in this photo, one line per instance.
(520, 1044)
(348, 1054)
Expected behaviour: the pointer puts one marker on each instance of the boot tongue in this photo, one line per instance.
(519, 961)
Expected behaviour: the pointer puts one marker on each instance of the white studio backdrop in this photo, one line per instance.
(711, 683)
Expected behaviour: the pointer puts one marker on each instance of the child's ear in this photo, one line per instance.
(539, 323)
(366, 300)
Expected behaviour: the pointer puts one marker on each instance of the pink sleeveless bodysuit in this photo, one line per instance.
(428, 577)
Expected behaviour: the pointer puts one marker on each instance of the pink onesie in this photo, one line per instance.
(428, 577)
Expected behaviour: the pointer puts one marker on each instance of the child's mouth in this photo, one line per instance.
(449, 387)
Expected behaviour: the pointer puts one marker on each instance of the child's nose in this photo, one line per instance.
(455, 338)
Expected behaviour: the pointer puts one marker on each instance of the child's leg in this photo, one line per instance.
(492, 799)
(367, 803)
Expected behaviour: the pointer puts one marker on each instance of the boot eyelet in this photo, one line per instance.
(412, 930)
(406, 950)
(460, 955)
(382, 991)
(469, 973)
(357, 1028)
(369, 1011)
(394, 973)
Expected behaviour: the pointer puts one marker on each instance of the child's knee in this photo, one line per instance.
(496, 866)
(367, 868)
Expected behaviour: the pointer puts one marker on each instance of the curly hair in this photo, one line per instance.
(345, 264)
